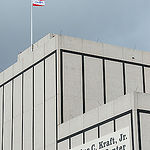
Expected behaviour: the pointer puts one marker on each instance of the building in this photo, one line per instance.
(70, 91)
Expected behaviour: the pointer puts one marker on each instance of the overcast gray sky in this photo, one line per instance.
(118, 22)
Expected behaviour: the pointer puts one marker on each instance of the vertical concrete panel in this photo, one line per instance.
(39, 106)
(50, 147)
(17, 113)
(39, 129)
(1, 103)
(7, 115)
(114, 80)
(27, 106)
(17, 134)
(76, 140)
(50, 122)
(91, 135)
(27, 131)
(145, 128)
(8, 102)
(123, 122)
(28, 90)
(17, 96)
(72, 85)
(50, 104)
(147, 80)
(39, 84)
(134, 80)
(63, 145)
(93, 83)
(106, 128)
(7, 135)
(50, 77)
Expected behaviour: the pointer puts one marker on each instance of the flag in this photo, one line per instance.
(38, 2)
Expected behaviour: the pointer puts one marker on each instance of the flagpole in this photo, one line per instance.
(31, 29)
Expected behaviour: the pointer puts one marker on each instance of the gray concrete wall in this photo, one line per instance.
(28, 118)
(115, 84)
(93, 83)
(145, 127)
(132, 110)
(143, 119)
(92, 74)
(90, 80)
(102, 49)
(98, 122)
(17, 113)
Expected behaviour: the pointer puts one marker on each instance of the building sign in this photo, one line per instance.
(119, 140)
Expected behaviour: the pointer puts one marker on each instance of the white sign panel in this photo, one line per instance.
(119, 140)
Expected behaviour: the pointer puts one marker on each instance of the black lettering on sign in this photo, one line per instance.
(122, 137)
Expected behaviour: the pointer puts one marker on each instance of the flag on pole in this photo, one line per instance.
(38, 2)
(35, 3)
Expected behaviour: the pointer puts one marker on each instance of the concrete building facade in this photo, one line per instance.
(70, 91)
